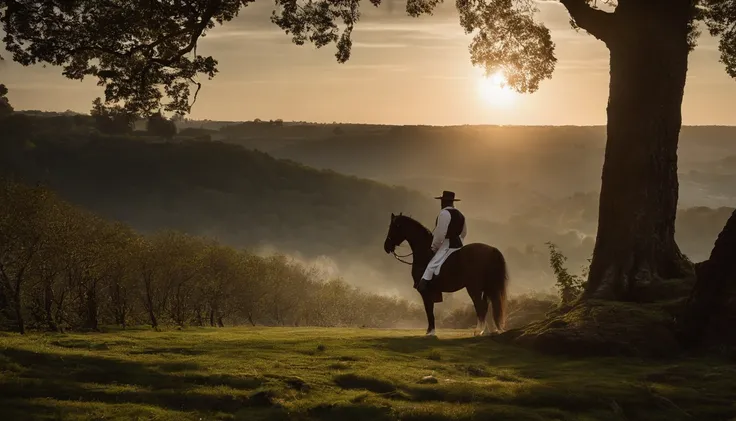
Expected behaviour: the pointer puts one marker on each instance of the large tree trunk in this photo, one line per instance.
(635, 244)
(715, 287)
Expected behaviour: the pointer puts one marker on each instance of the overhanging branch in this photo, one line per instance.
(598, 23)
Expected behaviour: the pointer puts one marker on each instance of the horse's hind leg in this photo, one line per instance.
(481, 310)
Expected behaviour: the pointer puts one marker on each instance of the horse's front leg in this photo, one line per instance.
(429, 308)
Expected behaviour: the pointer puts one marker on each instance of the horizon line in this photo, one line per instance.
(334, 123)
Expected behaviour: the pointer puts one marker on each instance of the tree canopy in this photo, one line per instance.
(145, 53)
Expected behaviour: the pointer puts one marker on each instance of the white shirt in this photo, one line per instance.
(443, 222)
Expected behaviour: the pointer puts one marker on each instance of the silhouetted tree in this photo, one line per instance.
(111, 119)
(5, 107)
(158, 125)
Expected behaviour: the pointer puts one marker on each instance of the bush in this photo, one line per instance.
(570, 286)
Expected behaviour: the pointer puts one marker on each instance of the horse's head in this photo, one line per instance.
(396, 234)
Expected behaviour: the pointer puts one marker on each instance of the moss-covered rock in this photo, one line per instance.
(602, 328)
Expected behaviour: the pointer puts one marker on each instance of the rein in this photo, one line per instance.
(400, 258)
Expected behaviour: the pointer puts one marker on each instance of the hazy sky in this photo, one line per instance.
(402, 71)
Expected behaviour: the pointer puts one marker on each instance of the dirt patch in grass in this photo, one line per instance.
(354, 381)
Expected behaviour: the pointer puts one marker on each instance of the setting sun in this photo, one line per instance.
(494, 90)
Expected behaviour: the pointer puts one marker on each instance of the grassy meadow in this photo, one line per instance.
(341, 374)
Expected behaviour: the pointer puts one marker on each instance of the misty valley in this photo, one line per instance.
(322, 194)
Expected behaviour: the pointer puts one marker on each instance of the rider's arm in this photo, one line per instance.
(464, 231)
(443, 221)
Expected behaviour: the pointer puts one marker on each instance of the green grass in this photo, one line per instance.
(341, 374)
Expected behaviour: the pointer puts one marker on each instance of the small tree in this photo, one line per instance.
(570, 286)
(28, 220)
(158, 125)
(112, 119)
(5, 107)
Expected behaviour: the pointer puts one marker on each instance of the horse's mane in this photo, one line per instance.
(419, 225)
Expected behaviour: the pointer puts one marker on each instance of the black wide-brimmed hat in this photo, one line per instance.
(448, 196)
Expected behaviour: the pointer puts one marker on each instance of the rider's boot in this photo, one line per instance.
(422, 285)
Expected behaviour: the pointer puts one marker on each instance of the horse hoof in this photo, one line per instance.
(431, 333)
(486, 333)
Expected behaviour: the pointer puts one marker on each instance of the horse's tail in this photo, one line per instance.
(495, 289)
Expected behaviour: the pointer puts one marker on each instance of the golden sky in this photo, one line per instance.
(402, 71)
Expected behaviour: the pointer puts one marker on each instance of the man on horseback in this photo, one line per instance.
(448, 236)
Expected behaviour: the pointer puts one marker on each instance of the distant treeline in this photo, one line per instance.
(64, 268)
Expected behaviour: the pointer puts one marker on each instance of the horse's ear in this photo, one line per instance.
(392, 216)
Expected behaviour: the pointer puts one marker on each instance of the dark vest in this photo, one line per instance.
(455, 228)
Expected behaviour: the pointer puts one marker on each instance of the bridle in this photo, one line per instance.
(400, 258)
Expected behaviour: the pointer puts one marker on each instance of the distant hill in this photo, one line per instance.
(500, 169)
(240, 196)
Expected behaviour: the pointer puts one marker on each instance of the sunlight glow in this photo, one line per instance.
(494, 90)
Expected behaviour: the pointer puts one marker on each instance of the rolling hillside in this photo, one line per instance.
(503, 170)
(240, 196)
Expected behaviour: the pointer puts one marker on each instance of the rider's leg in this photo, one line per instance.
(426, 278)
(422, 285)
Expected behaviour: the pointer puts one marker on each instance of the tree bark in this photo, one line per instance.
(635, 244)
(48, 302)
(119, 304)
(715, 286)
(91, 304)
(18, 306)
(198, 317)
(4, 306)
(152, 316)
(149, 302)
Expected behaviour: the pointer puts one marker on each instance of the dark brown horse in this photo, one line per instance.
(477, 267)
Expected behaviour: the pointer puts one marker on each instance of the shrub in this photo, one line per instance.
(570, 286)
